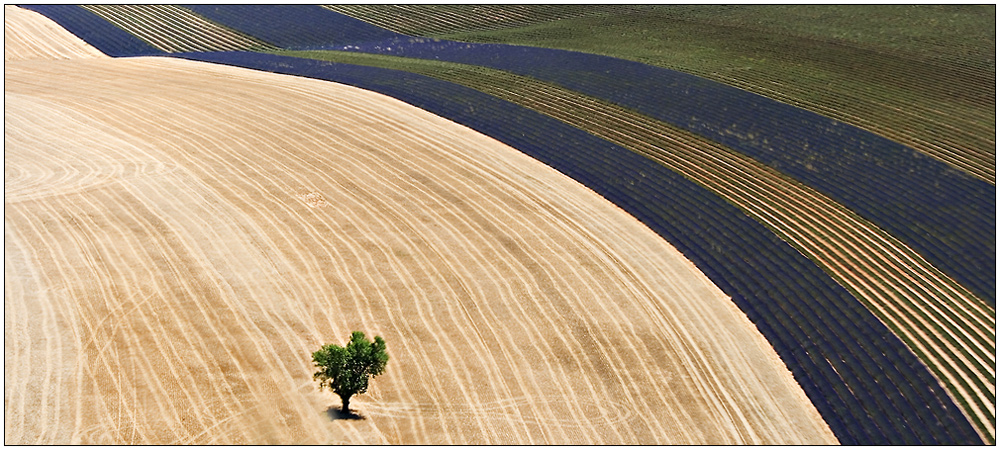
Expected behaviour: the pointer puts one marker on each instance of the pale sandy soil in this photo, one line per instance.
(29, 35)
(180, 236)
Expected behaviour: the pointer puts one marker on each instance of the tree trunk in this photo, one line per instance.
(346, 401)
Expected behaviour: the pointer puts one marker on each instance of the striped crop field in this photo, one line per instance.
(561, 242)
(915, 75)
(187, 32)
(422, 20)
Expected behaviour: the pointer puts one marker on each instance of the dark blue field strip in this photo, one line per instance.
(947, 216)
(865, 382)
(293, 26)
(101, 34)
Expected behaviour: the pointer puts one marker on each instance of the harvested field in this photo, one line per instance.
(179, 236)
(30, 35)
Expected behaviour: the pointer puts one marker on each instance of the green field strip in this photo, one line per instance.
(962, 35)
(174, 29)
(957, 339)
(907, 81)
(966, 146)
(955, 34)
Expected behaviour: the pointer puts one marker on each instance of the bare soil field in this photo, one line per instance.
(180, 236)
(29, 35)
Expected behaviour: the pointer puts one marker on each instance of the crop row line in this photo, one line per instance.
(973, 153)
(174, 29)
(842, 390)
(442, 19)
(882, 190)
(292, 26)
(95, 30)
(970, 127)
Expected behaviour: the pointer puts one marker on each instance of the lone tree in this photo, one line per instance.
(346, 369)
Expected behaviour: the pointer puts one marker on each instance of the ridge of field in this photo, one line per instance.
(175, 29)
(951, 330)
(944, 214)
(864, 381)
(923, 80)
(30, 35)
(209, 226)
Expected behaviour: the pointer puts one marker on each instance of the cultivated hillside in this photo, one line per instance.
(180, 235)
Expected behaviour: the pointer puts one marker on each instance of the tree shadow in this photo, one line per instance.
(337, 414)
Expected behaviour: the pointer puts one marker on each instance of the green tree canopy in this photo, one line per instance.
(346, 370)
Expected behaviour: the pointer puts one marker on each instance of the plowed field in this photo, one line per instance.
(180, 236)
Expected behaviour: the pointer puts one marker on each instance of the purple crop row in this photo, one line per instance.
(293, 26)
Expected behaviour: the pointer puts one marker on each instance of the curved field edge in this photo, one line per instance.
(101, 34)
(957, 343)
(30, 35)
(804, 319)
(206, 226)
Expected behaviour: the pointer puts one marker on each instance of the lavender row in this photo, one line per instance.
(864, 381)
(96, 31)
(293, 26)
